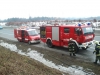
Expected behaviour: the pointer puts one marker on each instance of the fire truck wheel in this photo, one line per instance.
(76, 48)
(49, 43)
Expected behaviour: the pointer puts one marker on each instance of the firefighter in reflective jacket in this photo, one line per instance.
(97, 52)
(71, 47)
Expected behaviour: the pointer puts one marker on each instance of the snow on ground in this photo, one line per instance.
(72, 70)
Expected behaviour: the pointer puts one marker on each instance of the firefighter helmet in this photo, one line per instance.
(70, 39)
(97, 42)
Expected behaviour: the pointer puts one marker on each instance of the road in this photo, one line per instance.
(83, 54)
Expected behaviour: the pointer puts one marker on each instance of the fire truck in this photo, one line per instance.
(26, 34)
(59, 35)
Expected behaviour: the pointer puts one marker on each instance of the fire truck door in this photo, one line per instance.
(77, 34)
(23, 35)
(66, 36)
(26, 36)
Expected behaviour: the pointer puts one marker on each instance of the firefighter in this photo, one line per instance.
(71, 47)
(97, 52)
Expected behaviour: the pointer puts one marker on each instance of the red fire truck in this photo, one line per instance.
(26, 34)
(82, 35)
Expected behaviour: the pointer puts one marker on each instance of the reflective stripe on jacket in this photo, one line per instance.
(71, 48)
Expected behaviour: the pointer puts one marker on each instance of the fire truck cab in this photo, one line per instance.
(82, 35)
(25, 34)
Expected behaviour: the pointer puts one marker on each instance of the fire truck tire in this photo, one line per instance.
(76, 48)
(49, 44)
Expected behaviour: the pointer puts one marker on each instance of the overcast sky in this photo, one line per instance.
(49, 8)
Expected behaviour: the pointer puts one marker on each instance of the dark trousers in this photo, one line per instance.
(72, 53)
(97, 59)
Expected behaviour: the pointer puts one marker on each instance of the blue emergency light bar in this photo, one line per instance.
(84, 24)
(88, 24)
(79, 24)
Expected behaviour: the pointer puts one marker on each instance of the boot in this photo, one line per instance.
(74, 54)
(70, 54)
(95, 62)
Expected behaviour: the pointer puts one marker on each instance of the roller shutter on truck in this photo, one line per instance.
(55, 33)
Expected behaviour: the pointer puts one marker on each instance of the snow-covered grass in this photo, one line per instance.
(72, 70)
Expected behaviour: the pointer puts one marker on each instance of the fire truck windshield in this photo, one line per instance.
(33, 32)
(87, 30)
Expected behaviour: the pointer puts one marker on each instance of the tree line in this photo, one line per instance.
(35, 19)
(30, 19)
